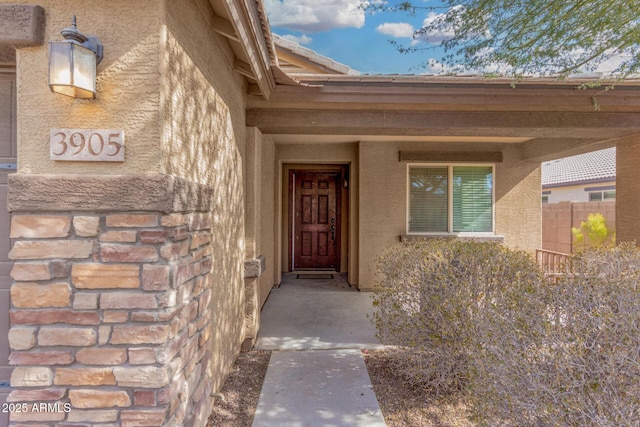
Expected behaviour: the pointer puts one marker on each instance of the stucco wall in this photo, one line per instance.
(518, 203)
(128, 87)
(382, 203)
(204, 141)
(383, 198)
(259, 181)
(267, 245)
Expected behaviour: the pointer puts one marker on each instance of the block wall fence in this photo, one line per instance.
(558, 218)
(111, 300)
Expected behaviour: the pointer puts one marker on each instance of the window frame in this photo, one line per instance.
(450, 231)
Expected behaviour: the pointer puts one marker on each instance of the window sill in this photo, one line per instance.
(494, 238)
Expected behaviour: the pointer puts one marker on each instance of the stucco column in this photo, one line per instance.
(627, 190)
(252, 265)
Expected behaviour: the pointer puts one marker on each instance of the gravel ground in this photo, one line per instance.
(238, 399)
(400, 406)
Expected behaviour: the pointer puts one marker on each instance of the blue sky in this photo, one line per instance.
(342, 31)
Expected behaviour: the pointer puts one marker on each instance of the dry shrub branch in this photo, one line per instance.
(479, 320)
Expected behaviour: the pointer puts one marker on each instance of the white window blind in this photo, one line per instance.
(454, 199)
(429, 199)
(472, 199)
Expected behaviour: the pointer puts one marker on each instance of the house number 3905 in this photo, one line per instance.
(93, 145)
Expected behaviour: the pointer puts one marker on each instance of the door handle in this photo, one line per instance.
(333, 229)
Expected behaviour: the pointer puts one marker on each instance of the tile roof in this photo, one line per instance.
(312, 56)
(589, 167)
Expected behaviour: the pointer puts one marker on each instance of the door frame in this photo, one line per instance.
(341, 171)
(9, 163)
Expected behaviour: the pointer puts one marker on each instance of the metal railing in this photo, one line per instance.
(553, 264)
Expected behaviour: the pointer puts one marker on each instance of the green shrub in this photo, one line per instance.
(479, 319)
(593, 233)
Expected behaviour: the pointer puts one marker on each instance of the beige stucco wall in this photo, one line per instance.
(128, 87)
(518, 203)
(382, 203)
(267, 244)
(383, 198)
(204, 141)
(315, 156)
(259, 194)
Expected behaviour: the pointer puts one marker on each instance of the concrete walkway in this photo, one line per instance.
(316, 329)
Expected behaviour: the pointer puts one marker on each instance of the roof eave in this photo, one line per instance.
(244, 23)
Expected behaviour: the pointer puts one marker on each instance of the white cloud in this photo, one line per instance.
(396, 29)
(611, 64)
(440, 30)
(303, 39)
(312, 16)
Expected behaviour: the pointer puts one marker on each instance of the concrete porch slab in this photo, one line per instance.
(305, 314)
(328, 388)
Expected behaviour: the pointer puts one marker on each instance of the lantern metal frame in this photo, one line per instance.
(73, 39)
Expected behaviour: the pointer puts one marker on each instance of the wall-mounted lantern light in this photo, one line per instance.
(72, 63)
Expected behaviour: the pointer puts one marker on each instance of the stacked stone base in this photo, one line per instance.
(110, 319)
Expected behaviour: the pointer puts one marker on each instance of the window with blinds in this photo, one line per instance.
(451, 199)
(429, 200)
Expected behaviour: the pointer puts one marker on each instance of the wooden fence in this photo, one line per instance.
(554, 264)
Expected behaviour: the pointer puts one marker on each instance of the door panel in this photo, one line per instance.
(316, 219)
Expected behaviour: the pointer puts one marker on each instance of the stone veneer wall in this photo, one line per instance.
(111, 299)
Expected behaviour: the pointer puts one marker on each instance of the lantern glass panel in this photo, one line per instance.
(72, 69)
(84, 71)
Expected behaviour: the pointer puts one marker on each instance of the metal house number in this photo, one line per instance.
(87, 145)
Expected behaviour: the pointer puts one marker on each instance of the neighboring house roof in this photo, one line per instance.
(596, 166)
(296, 59)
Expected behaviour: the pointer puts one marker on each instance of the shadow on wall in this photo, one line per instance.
(200, 146)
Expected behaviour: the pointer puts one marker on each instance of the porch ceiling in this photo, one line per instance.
(547, 118)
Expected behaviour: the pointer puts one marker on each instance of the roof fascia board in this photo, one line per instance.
(252, 34)
(462, 96)
(570, 125)
(301, 61)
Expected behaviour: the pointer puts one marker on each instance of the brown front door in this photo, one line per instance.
(316, 225)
